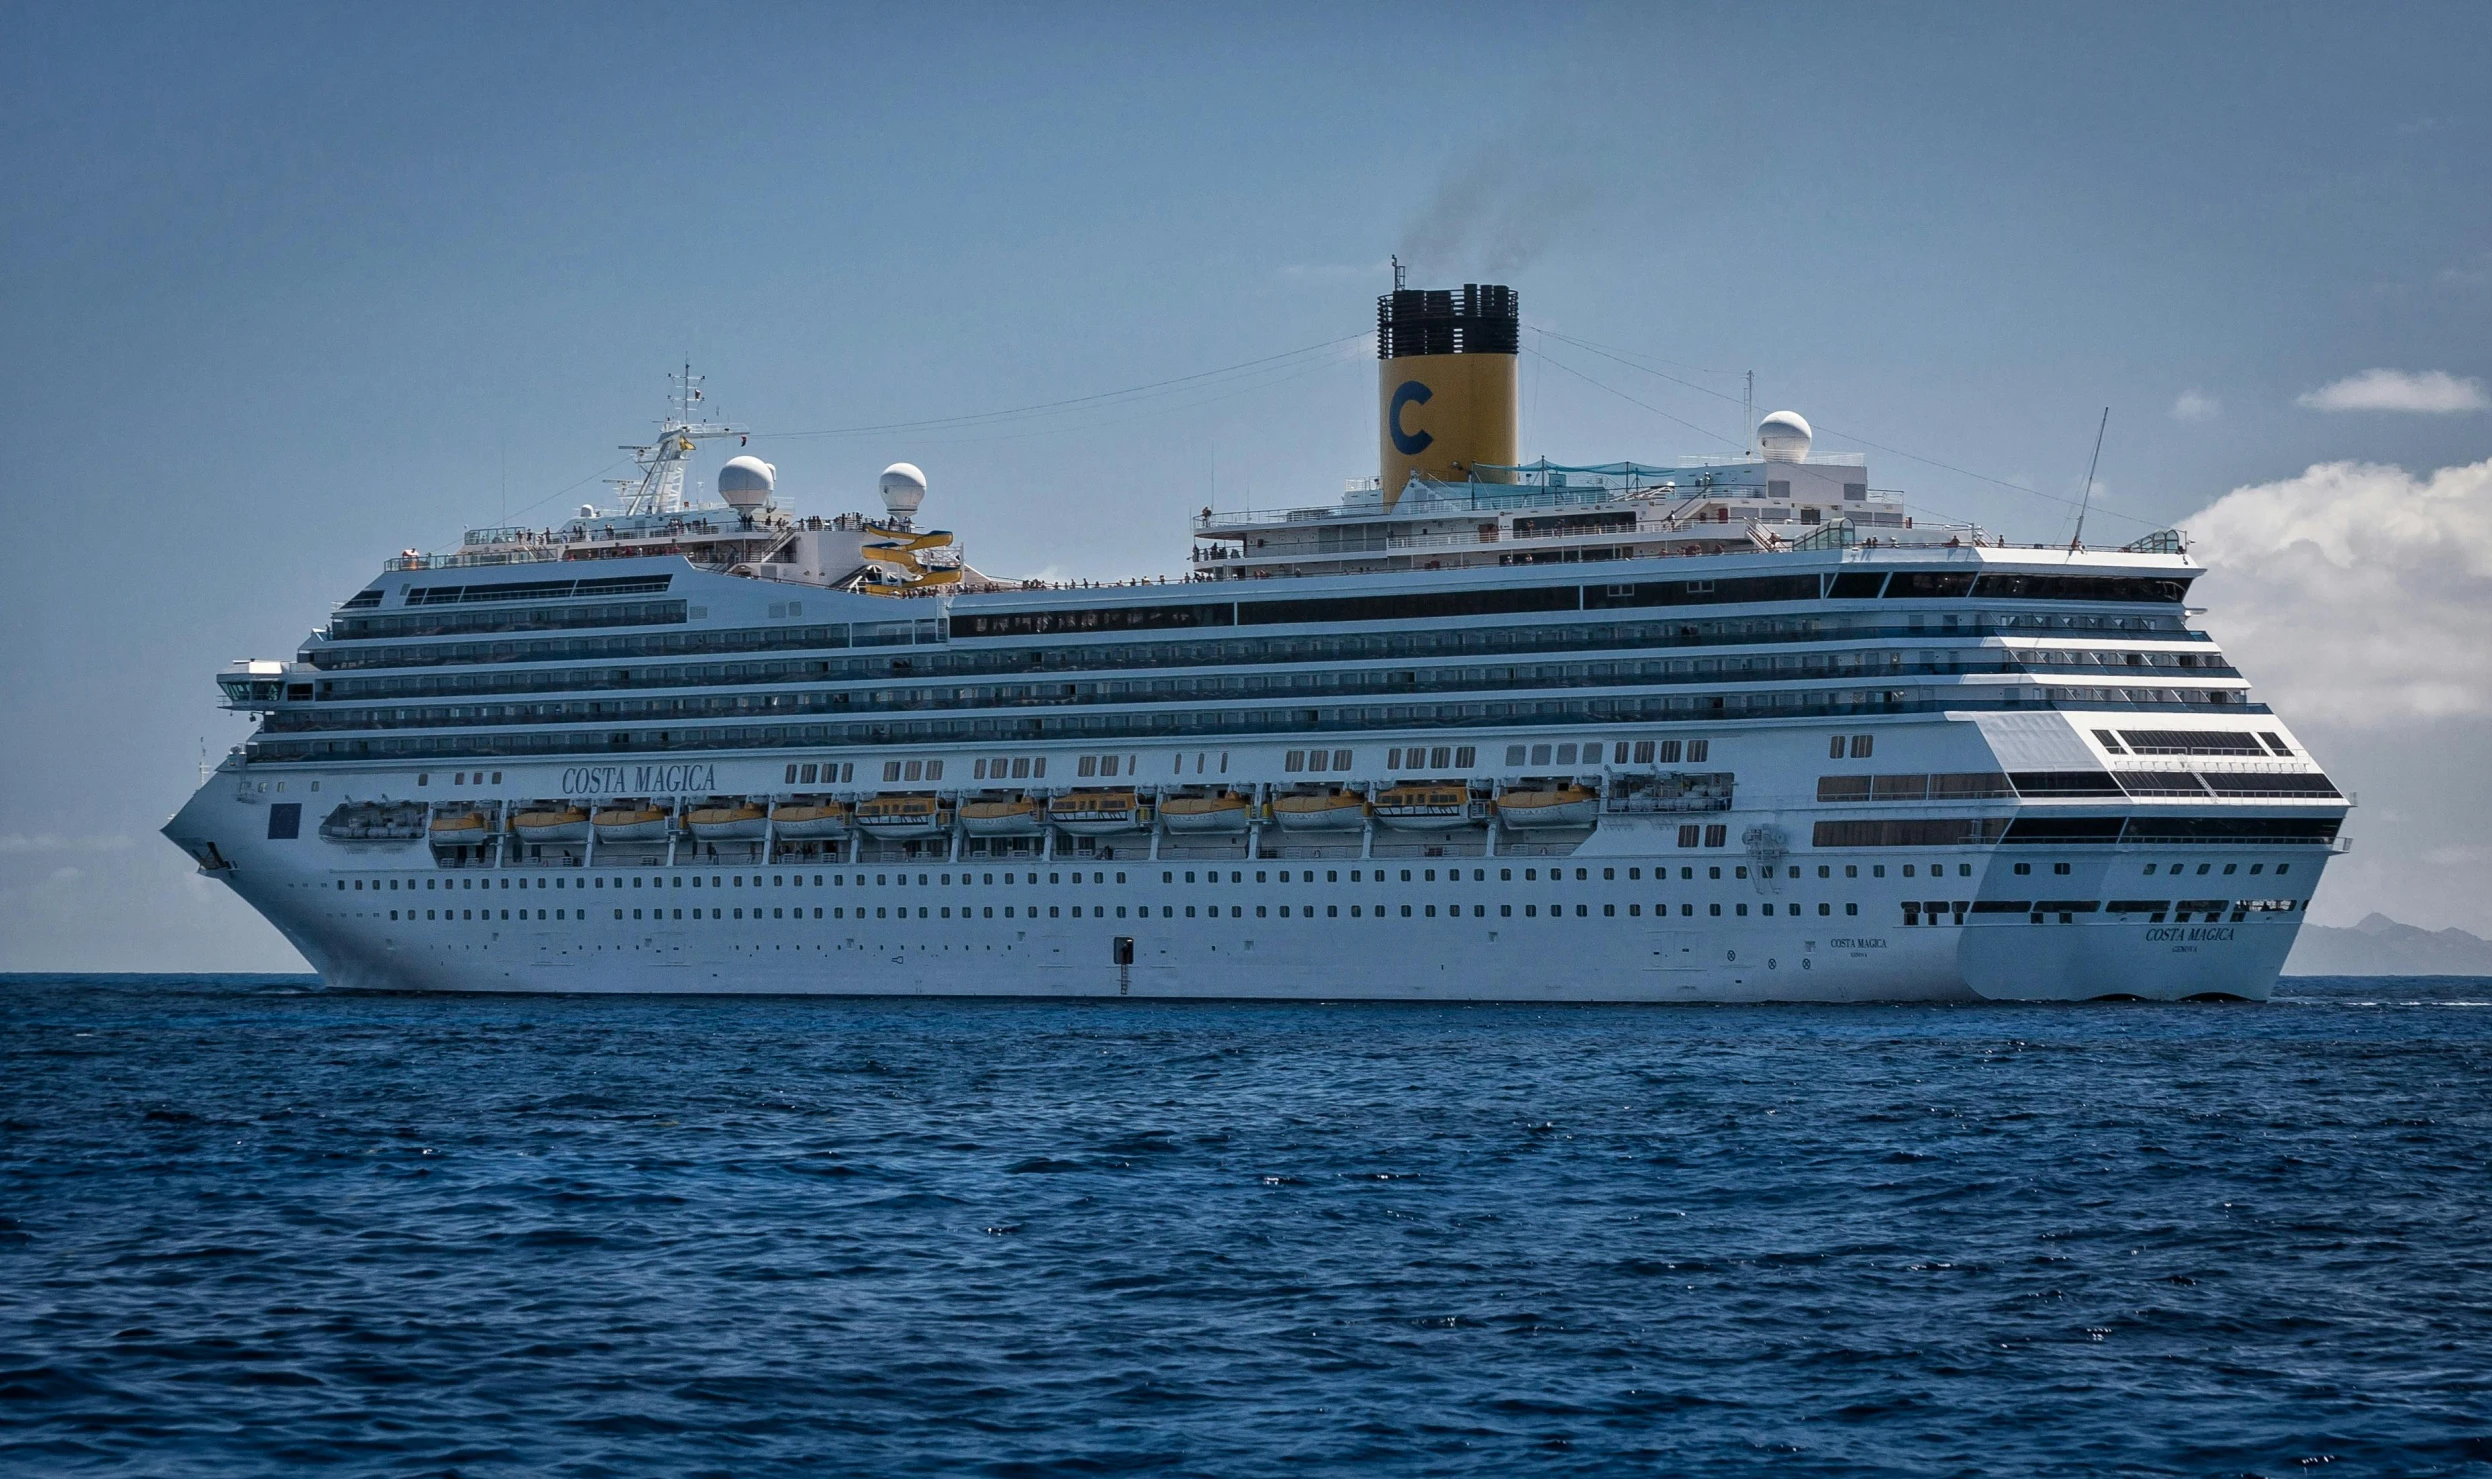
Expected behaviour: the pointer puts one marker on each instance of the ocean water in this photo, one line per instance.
(250, 1227)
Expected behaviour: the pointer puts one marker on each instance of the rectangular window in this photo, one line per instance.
(1393, 758)
(1689, 834)
(1834, 751)
(1566, 754)
(1643, 752)
(1699, 750)
(1540, 754)
(1668, 752)
(1440, 756)
(1341, 760)
(1089, 766)
(285, 821)
(1717, 835)
(891, 770)
(1514, 754)
(1861, 745)
(1294, 761)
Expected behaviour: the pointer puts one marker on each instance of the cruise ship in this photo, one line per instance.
(1699, 730)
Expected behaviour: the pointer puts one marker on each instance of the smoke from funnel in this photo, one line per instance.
(1492, 217)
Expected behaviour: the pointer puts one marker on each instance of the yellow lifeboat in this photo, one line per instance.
(461, 828)
(1557, 806)
(1096, 813)
(1002, 816)
(733, 822)
(805, 821)
(630, 824)
(902, 816)
(1321, 811)
(551, 824)
(1224, 812)
(1425, 808)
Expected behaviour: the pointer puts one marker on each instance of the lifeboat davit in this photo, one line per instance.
(1096, 813)
(1425, 808)
(630, 824)
(1010, 816)
(902, 816)
(804, 821)
(1324, 811)
(1560, 806)
(736, 822)
(461, 828)
(556, 824)
(1227, 812)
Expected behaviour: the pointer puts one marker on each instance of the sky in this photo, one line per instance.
(290, 289)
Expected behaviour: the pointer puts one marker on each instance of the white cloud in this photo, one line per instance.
(2196, 405)
(2355, 593)
(2430, 391)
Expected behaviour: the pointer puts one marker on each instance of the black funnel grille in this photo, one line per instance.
(1481, 318)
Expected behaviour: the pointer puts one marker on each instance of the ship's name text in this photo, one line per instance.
(2174, 933)
(638, 780)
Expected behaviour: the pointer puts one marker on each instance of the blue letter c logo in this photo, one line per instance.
(1404, 442)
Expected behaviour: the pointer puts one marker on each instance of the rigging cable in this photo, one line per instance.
(1042, 407)
(1835, 431)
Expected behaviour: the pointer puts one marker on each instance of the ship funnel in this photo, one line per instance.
(1446, 392)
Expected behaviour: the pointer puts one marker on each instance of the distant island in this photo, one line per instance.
(2380, 946)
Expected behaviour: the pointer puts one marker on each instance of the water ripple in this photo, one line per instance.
(245, 1226)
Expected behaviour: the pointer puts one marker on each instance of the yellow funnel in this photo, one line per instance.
(1446, 387)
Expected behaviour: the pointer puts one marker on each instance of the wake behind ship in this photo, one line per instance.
(1706, 730)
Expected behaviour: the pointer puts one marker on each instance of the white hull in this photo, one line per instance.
(1471, 958)
(1110, 826)
(653, 830)
(1332, 819)
(744, 831)
(814, 830)
(910, 830)
(563, 832)
(1231, 821)
(1503, 928)
(1552, 818)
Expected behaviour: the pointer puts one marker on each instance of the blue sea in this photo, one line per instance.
(251, 1227)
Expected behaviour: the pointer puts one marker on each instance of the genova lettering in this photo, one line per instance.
(638, 780)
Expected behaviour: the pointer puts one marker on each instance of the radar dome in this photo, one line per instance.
(1785, 437)
(904, 488)
(746, 482)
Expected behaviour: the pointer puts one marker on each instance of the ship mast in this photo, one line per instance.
(661, 486)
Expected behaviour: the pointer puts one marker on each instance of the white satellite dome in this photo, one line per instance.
(747, 482)
(1785, 437)
(904, 488)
